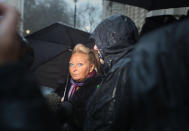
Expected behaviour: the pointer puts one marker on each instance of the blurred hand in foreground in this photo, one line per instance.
(9, 40)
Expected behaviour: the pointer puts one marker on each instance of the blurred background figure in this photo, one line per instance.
(21, 101)
(156, 22)
(26, 55)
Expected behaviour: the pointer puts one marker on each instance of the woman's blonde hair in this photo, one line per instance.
(80, 48)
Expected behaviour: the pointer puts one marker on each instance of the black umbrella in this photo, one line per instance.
(155, 4)
(52, 48)
(61, 34)
(45, 51)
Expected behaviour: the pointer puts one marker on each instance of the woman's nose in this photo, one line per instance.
(74, 68)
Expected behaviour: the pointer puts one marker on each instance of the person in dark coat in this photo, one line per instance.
(156, 22)
(22, 106)
(115, 38)
(157, 94)
(83, 82)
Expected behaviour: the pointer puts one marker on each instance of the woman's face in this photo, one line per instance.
(80, 66)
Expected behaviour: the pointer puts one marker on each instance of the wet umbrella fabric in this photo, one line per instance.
(61, 34)
(43, 51)
(155, 4)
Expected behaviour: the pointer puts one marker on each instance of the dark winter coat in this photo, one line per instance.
(74, 109)
(158, 84)
(115, 37)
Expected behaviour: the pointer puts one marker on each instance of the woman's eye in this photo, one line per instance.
(80, 64)
(70, 64)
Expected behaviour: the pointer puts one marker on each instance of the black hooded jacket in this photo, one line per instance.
(157, 94)
(115, 37)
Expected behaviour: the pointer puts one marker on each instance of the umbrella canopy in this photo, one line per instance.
(61, 34)
(45, 51)
(52, 48)
(155, 4)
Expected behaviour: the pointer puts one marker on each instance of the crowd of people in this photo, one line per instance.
(124, 83)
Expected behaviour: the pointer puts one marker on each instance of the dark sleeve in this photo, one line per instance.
(16, 80)
(21, 101)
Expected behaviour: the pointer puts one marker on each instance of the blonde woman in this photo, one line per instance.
(83, 68)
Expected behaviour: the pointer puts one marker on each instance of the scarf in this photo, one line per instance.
(74, 84)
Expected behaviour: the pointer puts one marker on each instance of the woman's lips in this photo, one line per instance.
(75, 75)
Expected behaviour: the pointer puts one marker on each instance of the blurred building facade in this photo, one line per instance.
(137, 14)
(19, 4)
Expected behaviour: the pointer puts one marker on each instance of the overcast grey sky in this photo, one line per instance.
(81, 4)
(83, 15)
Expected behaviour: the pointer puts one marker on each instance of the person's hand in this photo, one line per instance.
(9, 41)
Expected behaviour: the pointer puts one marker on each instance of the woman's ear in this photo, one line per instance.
(91, 68)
